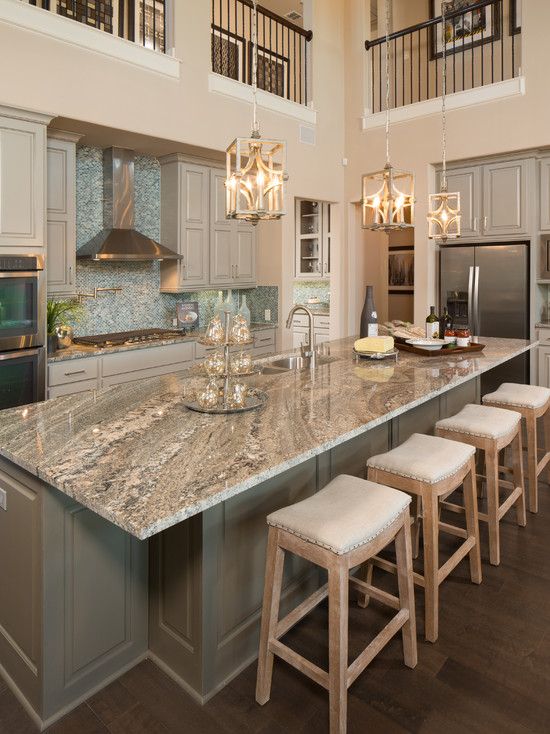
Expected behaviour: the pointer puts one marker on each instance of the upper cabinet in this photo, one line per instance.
(494, 198)
(61, 213)
(467, 181)
(313, 239)
(505, 203)
(544, 187)
(22, 180)
(216, 251)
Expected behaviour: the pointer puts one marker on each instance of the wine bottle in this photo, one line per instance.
(369, 317)
(432, 324)
(445, 322)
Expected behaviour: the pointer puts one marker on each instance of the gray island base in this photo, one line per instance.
(134, 528)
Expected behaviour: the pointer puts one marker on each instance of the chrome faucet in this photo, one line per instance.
(310, 351)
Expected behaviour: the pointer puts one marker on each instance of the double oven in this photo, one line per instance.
(22, 330)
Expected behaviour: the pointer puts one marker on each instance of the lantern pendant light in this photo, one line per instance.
(388, 195)
(256, 166)
(444, 207)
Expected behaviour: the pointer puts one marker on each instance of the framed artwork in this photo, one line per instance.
(515, 17)
(228, 54)
(401, 269)
(463, 31)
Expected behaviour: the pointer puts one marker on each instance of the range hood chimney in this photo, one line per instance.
(119, 240)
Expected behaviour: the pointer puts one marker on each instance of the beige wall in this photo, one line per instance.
(512, 124)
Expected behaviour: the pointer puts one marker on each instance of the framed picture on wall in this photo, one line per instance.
(401, 269)
(515, 16)
(463, 30)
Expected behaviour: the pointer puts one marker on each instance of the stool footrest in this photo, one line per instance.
(453, 530)
(455, 559)
(302, 664)
(509, 501)
(380, 641)
(293, 617)
(542, 463)
(382, 596)
(391, 567)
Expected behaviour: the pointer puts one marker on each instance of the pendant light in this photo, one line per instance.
(388, 195)
(444, 207)
(256, 166)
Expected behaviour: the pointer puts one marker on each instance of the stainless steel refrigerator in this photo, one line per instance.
(486, 287)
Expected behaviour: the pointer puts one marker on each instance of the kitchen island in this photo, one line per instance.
(136, 528)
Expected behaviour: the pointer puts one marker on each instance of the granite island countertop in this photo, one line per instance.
(77, 351)
(136, 456)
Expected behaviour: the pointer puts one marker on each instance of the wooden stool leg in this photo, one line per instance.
(417, 516)
(491, 471)
(517, 464)
(431, 565)
(274, 567)
(532, 462)
(338, 586)
(472, 522)
(365, 573)
(546, 425)
(403, 552)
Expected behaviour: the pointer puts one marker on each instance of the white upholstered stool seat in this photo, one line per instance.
(482, 421)
(428, 459)
(533, 402)
(519, 396)
(347, 513)
(338, 529)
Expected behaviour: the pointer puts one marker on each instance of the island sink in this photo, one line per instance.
(296, 362)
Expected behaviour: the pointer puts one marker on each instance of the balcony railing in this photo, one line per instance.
(283, 49)
(141, 21)
(482, 47)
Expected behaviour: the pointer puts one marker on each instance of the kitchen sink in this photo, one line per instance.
(295, 363)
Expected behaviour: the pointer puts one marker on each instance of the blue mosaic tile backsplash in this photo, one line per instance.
(140, 304)
(304, 289)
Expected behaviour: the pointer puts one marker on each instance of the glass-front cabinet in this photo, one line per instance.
(313, 239)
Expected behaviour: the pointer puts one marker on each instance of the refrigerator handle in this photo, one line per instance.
(477, 319)
(471, 314)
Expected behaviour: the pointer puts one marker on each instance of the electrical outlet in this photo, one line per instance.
(267, 314)
(3, 500)
(174, 322)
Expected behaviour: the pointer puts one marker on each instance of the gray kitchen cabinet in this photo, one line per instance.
(300, 329)
(544, 189)
(313, 239)
(184, 224)
(544, 366)
(140, 363)
(61, 213)
(232, 242)
(467, 181)
(505, 200)
(22, 180)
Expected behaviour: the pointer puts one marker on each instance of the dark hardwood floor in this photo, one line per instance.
(488, 672)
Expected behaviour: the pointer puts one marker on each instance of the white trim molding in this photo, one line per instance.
(470, 97)
(48, 23)
(238, 90)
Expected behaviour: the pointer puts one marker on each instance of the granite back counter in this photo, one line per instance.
(88, 478)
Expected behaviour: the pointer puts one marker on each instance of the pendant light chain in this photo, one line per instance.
(255, 124)
(387, 82)
(444, 98)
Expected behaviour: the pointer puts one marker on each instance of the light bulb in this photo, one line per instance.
(444, 215)
(400, 201)
(376, 201)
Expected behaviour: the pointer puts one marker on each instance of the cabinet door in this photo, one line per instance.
(327, 238)
(505, 198)
(222, 264)
(61, 216)
(544, 173)
(467, 181)
(299, 337)
(194, 224)
(244, 254)
(22, 183)
(544, 366)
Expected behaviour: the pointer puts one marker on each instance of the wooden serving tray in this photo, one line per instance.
(444, 351)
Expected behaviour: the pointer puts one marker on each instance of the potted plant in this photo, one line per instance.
(58, 313)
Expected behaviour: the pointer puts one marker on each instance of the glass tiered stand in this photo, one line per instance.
(225, 392)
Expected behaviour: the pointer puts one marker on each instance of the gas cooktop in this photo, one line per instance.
(127, 337)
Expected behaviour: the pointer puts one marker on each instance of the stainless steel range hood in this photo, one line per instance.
(119, 240)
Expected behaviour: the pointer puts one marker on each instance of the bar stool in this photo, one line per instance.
(491, 430)
(338, 528)
(532, 401)
(431, 468)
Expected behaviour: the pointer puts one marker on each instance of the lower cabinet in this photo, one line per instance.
(300, 329)
(73, 376)
(543, 357)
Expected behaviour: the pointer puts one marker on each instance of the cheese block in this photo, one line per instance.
(374, 344)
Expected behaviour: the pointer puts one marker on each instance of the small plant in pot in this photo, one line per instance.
(58, 313)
